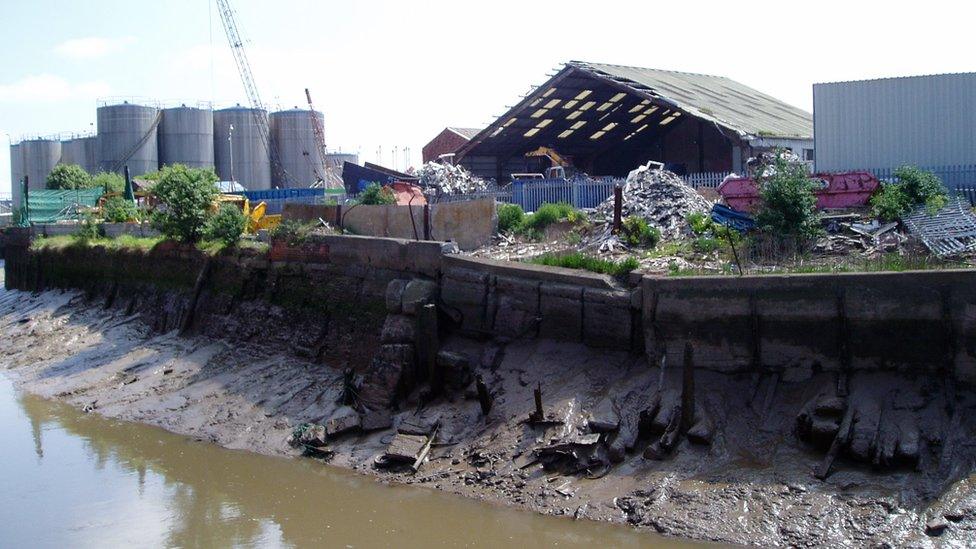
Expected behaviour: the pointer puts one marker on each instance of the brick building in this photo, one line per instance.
(447, 142)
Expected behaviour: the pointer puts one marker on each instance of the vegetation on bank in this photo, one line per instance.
(588, 263)
(512, 218)
(140, 243)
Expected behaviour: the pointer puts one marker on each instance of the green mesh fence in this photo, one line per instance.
(51, 206)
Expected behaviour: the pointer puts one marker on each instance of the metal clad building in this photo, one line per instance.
(186, 136)
(127, 135)
(294, 136)
(922, 120)
(244, 158)
(40, 156)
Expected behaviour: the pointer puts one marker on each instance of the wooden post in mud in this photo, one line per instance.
(618, 199)
(688, 389)
(539, 413)
(484, 397)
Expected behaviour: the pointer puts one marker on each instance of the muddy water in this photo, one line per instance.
(80, 480)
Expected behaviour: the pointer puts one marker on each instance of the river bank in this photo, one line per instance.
(753, 485)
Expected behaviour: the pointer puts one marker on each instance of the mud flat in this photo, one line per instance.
(638, 431)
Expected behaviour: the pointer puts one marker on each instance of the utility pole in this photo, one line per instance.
(230, 141)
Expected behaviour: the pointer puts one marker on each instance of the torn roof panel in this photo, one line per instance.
(727, 102)
(466, 133)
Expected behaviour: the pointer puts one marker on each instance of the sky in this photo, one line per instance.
(389, 75)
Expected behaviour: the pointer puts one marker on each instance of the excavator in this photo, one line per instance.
(561, 166)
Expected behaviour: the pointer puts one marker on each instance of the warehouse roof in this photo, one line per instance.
(467, 133)
(625, 101)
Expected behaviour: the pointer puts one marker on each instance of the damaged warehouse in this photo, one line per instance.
(607, 119)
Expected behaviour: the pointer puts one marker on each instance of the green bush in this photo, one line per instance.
(89, 229)
(890, 203)
(119, 210)
(227, 225)
(110, 181)
(913, 188)
(291, 231)
(637, 232)
(589, 263)
(374, 194)
(68, 176)
(186, 197)
(700, 223)
(706, 244)
(510, 217)
(547, 214)
(788, 208)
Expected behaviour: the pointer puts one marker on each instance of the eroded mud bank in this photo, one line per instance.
(755, 483)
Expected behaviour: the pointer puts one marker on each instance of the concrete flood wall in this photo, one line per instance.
(470, 224)
(798, 325)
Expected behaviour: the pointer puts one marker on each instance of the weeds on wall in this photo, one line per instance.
(589, 263)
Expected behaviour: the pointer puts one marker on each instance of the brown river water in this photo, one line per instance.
(72, 479)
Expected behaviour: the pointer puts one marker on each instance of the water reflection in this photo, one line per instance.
(82, 480)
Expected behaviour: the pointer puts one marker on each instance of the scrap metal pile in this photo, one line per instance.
(444, 179)
(660, 197)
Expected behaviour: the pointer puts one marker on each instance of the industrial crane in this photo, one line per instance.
(319, 139)
(247, 77)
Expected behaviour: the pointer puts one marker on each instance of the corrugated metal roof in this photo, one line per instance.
(466, 133)
(725, 101)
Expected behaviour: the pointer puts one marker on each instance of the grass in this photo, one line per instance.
(588, 263)
(887, 263)
(142, 243)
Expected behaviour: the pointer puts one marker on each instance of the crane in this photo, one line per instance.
(319, 132)
(250, 87)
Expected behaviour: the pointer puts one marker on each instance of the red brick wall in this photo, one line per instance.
(446, 142)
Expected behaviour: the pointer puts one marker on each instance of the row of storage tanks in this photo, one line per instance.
(196, 137)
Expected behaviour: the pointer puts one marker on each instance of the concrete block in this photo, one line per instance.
(417, 294)
(607, 319)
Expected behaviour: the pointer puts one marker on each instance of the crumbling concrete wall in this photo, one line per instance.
(512, 300)
(912, 321)
(470, 223)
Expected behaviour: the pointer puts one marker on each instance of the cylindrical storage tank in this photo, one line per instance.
(16, 172)
(127, 135)
(81, 151)
(40, 157)
(186, 136)
(242, 156)
(336, 160)
(294, 136)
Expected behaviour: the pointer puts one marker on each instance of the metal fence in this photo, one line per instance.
(709, 180)
(581, 193)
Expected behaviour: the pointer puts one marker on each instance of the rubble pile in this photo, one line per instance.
(443, 179)
(658, 196)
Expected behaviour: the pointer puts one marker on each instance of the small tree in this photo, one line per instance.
(68, 176)
(186, 197)
(788, 208)
(119, 210)
(110, 181)
(375, 194)
(227, 225)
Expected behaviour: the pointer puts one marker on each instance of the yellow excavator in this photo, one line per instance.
(257, 219)
(561, 166)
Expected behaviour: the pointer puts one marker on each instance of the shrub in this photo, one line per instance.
(510, 217)
(581, 261)
(89, 229)
(291, 231)
(375, 194)
(110, 181)
(890, 203)
(547, 214)
(914, 187)
(700, 223)
(186, 196)
(706, 244)
(788, 206)
(119, 210)
(68, 176)
(227, 225)
(637, 232)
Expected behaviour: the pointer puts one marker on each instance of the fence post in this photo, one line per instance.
(618, 199)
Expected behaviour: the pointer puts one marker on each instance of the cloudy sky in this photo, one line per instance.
(391, 74)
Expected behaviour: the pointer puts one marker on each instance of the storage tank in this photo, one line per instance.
(40, 156)
(248, 150)
(294, 136)
(82, 151)
(336, 159)
(127, 135)
(186, 136)
(16, 172)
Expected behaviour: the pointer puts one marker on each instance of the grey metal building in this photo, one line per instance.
(928, 121)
